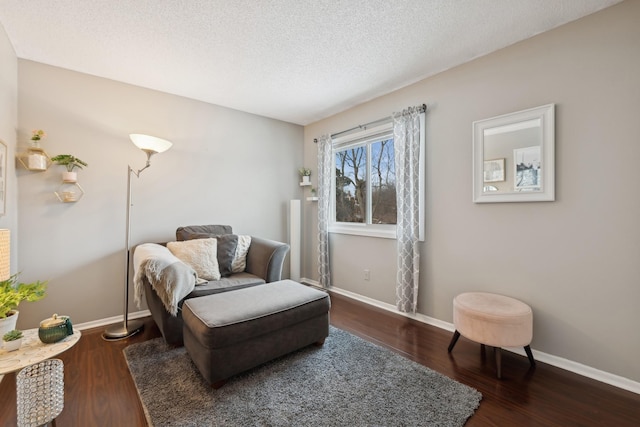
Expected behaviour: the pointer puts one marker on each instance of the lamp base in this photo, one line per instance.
(120, 332)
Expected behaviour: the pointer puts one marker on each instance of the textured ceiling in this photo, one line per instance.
(293, 60)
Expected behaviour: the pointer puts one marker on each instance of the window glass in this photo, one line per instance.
(351, 184)
(365, 183)
(383, 183)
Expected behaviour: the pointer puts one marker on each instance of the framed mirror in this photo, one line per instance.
(513, 157)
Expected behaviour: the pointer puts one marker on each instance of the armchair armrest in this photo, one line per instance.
(265, 258)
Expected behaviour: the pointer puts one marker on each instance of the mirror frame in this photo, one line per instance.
(546, 114)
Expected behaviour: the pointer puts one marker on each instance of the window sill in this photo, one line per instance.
(379, 231)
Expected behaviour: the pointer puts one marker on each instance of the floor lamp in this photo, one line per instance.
(150, 145)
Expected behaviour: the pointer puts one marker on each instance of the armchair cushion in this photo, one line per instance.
(184, 233)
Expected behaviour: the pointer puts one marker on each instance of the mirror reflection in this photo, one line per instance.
(511, 156)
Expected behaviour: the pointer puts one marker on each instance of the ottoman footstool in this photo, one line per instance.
(494, 320)
(231, 332)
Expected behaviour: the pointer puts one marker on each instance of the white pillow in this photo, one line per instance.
(239, 262)
(200, 254)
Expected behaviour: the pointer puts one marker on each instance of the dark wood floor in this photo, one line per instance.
(100, 392)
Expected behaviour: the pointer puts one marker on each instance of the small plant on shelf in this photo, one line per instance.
(37, 135)
(68, 161)
(304, 172)
(12, 335)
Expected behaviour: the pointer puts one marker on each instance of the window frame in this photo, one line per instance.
(366, 136)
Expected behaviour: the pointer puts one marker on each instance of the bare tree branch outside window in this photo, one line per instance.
(352, 171)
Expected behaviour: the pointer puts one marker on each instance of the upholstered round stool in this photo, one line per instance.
(494, 320)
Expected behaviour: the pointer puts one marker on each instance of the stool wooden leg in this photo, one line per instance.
(498, 352)
(454, 340)
(527, 349)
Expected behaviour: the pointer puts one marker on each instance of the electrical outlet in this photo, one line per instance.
(367, 275)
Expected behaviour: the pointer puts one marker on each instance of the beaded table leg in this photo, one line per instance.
(40, 392)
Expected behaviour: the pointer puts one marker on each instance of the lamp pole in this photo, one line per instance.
(150, 146)
(127, 328)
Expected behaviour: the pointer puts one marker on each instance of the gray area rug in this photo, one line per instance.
(346, 382)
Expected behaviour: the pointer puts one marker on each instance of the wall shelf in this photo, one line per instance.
(69, 192)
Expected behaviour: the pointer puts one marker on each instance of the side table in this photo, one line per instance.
(40, 404)
(33, 351)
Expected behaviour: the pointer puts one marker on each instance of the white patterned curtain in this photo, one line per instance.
(406, 134)
(325, 163)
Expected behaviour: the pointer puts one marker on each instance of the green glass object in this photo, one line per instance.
(55, 329)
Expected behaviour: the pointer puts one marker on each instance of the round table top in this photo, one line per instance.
(33, 351)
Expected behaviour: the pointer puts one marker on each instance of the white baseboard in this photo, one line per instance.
(559, 362)
(110, 320)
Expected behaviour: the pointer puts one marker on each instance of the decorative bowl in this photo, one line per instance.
(54, 329)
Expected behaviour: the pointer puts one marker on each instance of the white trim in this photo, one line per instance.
(110, 320)
(513, 127)
(357, 138)
(386, 231)
(559, 362)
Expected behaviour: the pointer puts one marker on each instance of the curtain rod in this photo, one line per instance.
(421, 109)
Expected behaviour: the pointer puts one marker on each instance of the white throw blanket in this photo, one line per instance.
(168, 276)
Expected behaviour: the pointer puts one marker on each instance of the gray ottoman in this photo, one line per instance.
(231, 332)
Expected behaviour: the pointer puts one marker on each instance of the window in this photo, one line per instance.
(364, 190)
(364, 193)
(365, 185)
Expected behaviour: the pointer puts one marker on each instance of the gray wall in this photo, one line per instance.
(575, 260)
(8, 124)
(225, 167)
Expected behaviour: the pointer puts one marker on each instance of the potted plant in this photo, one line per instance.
(36, 160)
(305, 173)
(13, 293)
(12, 340)
(70, 162)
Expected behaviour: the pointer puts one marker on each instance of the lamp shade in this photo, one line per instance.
(150, 143)
(5, 254)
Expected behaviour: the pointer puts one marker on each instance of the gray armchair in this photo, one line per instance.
(265, 259)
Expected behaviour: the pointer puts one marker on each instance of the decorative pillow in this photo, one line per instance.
(226, 249)
(201, 254)
(184, 233)
(227, 245)
(239, 262)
